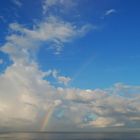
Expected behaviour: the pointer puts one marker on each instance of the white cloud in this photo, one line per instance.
(65, 5)
(60, 79)
(110, 11)
(64, 80)
(49, 3)
(52, 30)
(31, 96)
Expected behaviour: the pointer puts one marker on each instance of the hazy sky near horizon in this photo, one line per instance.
(69, 64)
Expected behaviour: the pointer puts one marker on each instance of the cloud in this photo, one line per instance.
(53, 30)
(64, 80)
(31, 96)
(1, 61)
(112, 109)
(23, 95)
(110, 11)
(60, 79)
(49, 6)
(27, 92)
(49, 3)
(26, 98)
(17, 2)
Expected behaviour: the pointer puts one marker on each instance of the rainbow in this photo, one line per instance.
(47, 117)
(50, 111)
(83, 67)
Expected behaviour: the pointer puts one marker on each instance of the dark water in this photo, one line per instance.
(70, 136)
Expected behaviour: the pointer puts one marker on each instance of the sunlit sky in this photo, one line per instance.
(69, 64)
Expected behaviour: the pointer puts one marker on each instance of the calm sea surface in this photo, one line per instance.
(70, 136)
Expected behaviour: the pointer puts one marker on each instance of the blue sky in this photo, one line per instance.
(61, 56)
(105, 56)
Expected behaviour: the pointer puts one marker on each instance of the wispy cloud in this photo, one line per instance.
(110, 11)
(2, 19)
(1, 61)
(17, 2)
(64, 4)
(52, 30)
(49, 3)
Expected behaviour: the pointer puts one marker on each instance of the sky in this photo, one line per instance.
(69, 65)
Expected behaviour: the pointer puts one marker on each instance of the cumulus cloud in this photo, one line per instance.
(111, 109)
(64, 80)
(21, 88)
(61, 79)
(24, 90)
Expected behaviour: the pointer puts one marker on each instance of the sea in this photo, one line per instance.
(70, 136)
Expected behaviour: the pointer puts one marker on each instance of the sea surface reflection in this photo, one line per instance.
(70, 136)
